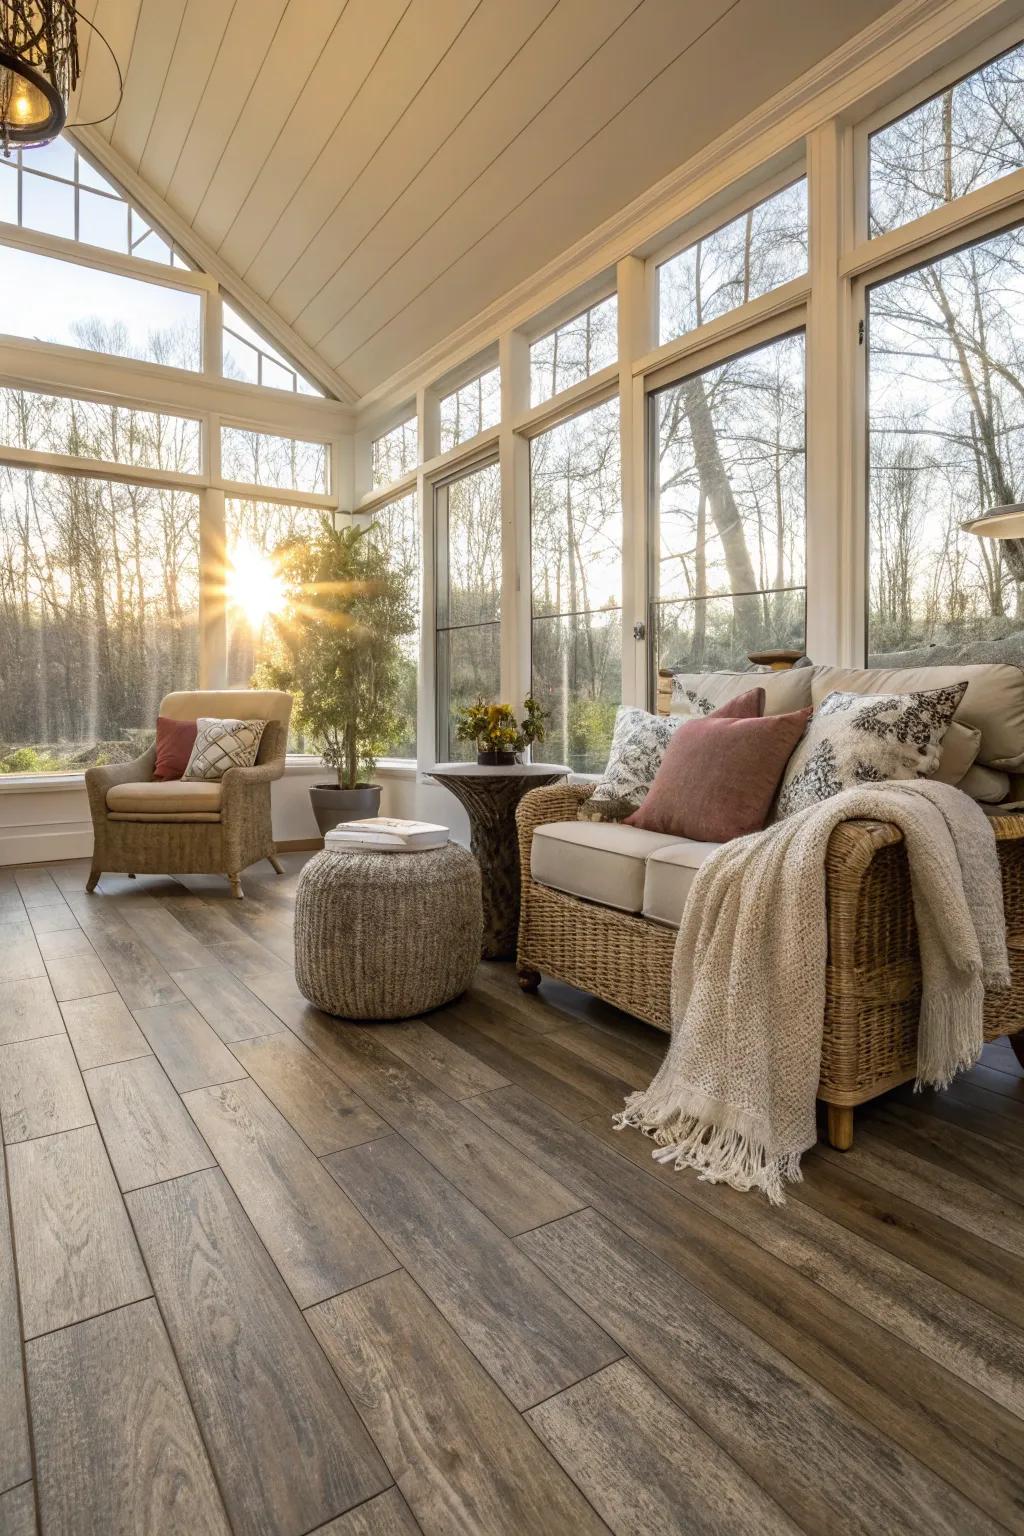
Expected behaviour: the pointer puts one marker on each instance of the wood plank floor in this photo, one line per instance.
(268, 1273)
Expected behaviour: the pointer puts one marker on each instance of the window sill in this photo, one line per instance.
(387, 768)
(40, 783)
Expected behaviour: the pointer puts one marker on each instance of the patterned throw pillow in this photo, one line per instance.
(638, 743)
(224, 744)
(856, 738)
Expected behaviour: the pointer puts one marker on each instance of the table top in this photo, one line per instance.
(507, 771)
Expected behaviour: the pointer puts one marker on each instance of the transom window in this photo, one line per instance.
(582, 346)
(89, 429)
(471, 409)
(287, 463)
(394, 453)
(250, 358)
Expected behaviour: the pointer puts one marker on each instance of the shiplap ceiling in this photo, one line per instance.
(378, 171)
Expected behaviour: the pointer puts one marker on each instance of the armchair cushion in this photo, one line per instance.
(224, 744)
(600, 861)
(162, 798)
(174, 742)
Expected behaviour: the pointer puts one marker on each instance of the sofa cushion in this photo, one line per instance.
(172, 797)
(989, 786)
(958, 751)
(700, 693)
(668, 876)
(993, 703)
(602, 861)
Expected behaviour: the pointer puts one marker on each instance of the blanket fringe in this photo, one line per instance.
(717, 1154)
(949, 1040)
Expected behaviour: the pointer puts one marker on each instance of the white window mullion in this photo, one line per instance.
(514, 462)
(636, 338)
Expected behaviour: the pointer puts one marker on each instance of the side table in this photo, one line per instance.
(490, 797)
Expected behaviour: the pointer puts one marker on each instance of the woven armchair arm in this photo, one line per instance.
(99, 780)
(556, 802)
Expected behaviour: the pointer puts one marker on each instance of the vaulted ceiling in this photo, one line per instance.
(379, 171)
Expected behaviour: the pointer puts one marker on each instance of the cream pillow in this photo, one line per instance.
(960, 747)
(223, 744)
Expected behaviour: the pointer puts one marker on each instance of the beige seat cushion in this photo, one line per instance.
(602, 861)
(168, 797)
(988, 785)
(784, 692)
(670, 873)
(993, 703)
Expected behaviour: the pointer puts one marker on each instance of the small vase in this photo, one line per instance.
(495, 759)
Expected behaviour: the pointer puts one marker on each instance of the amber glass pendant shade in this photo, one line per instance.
(35, 112)
(38, 70)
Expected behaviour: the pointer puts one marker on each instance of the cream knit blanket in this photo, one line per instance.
(734, 1097)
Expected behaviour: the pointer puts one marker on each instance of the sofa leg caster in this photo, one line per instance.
(1017, 1045)
(529, 979)
(275, 863)
(840, 1126)
(93, 880)
(131, 874)
(236, 887)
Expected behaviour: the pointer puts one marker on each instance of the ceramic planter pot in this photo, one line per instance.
(332, 805)
(495, 759)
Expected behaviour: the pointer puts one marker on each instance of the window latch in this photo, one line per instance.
(640, 630)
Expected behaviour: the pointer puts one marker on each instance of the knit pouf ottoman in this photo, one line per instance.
(387, 935)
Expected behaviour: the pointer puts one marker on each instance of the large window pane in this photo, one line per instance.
(468, 568)
(471, 409)
(946, 440)
(90, 430)
(396, 528)
(45, 299)
(99, 605)
(762, 249)
(576, 562)
(727, 509)
(258, 458)
(394, 454)
(570, 354)
(965, 137)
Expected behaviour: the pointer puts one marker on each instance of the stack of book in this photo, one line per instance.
(385, 834)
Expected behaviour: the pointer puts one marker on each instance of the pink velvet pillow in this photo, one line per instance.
(718, 777)
(174, 742)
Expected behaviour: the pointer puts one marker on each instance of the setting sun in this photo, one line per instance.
(253, 585)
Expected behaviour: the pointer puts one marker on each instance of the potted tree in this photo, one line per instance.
(338, 654)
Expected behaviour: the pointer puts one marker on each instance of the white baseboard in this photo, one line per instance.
(42, 843)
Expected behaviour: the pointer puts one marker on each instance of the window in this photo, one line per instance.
(946, 440)
(467, 515)
(289, 463)
(119, 434)
(471, 409)
(762, 249)
(396, 528)
(394, 454)
(99, 616)
(727, 510)
(965, 137)
(570, 354)
(46, 299)
(55, 190)
(576, 561)
(250, 359)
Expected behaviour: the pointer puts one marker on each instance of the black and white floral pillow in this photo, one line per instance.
(856, 738)
(638, 745)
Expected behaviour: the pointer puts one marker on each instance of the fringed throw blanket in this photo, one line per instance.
(734, 1098)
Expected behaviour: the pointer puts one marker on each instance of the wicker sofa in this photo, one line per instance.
(144, 826)
(601, 902)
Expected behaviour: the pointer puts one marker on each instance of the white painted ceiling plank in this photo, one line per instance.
(117, 20)
(194, 57)
(362, 32)
(155, 39)
(422, 38)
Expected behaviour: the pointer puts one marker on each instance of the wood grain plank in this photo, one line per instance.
(170, 945)
(386, 1515)
(37, 887)
(41, 1088)
(315, 1102)
(102, 1030)
(189, 1051)
(75, 1252)
(74, 976)
(290, 1452)
(148, 1132)
(15, 1455)
(674, 1479)
(438, 1059)
(244, 958)
(517, 1323)
(311, 1230)
(28, 1010)
(117, 1445)
(507, 1187)
(63, 943)
(140, 979)
(226, 1003)
(960, 1146)
(846, 1476)
(555, 1091)
(721, 1243)
(462, 1457)
(19, 952)
(56, 918)
(18, 1511)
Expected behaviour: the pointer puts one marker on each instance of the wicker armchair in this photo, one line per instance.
(224, 830)
(873, 982)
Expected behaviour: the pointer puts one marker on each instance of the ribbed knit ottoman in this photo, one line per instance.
(387, 935)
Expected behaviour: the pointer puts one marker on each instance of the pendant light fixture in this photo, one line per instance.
(1007, 524)
(38, 69)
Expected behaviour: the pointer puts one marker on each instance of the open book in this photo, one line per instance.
(386, 834)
